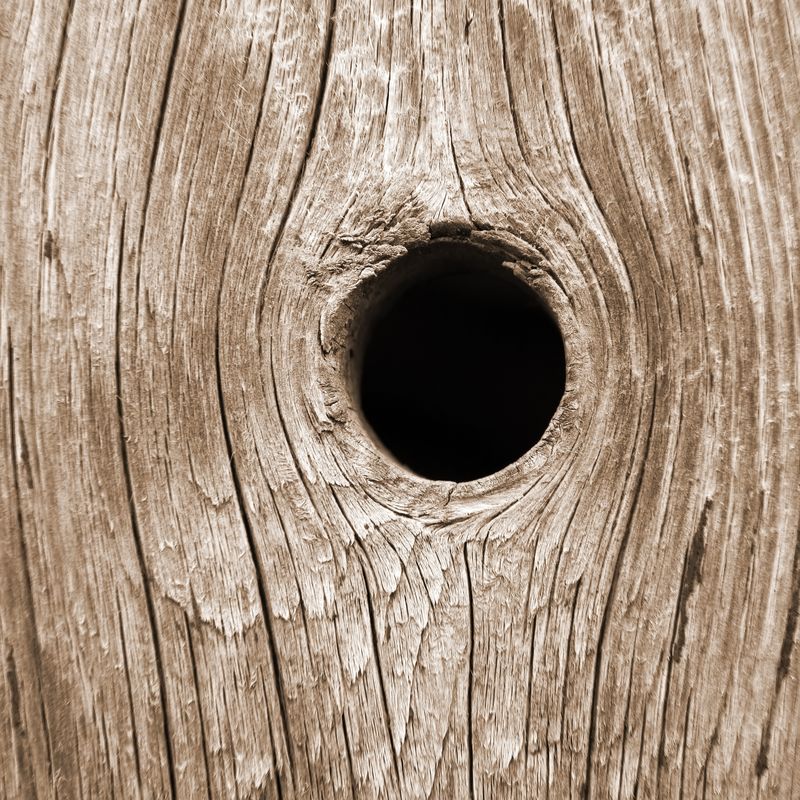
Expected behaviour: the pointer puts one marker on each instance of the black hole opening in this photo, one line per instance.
(462, 365)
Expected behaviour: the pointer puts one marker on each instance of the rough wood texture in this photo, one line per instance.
(212, 585)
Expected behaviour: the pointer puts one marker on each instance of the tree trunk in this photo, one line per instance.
(214, 584)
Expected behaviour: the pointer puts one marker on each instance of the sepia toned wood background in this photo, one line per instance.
(213, 584)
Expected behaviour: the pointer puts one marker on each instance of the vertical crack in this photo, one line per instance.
(137, 538)
(310, 139)
(196, 679)
(587, 787)
(23, 549)
(162, 111)
(784, 660)
(470, 675)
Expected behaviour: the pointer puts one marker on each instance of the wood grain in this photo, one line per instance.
(213, 584)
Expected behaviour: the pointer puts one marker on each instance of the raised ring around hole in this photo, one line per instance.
(460, 365)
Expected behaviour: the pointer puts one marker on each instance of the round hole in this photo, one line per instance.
(462, 365)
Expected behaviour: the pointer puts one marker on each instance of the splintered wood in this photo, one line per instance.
(213, 583)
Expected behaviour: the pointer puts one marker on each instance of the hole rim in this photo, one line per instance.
(362, 461)
(556, 269)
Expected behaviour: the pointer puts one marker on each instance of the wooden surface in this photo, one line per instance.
(212, 584)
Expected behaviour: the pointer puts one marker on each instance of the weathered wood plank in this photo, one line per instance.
(214, 584)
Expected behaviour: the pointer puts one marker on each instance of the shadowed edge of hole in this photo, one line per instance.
(460, 365)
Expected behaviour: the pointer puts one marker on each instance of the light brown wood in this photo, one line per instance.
(213, 584)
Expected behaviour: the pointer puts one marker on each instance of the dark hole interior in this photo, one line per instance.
(463, 366)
